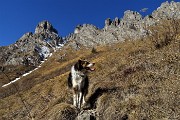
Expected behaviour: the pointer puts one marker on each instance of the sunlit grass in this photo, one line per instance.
(133, 79)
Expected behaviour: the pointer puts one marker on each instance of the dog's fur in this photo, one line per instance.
(78, 80)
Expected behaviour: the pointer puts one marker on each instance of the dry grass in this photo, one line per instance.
(61, 112)
(12, 72)
(133, 80)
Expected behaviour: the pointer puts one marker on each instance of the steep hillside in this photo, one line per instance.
(133, 80)
(137, 70)
(28, 52)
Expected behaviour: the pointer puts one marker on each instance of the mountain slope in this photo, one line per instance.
(28, 52)
(134, 78)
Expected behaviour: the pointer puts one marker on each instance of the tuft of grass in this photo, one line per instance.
(61, 112)
(94, 51)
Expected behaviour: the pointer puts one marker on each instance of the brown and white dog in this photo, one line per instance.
(78, 81)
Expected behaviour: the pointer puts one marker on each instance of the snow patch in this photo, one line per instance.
(35, 69)
(60, 46)
(11, 82)
(44, 52)
(25, 74)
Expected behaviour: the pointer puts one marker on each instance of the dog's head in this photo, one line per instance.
(84, 65)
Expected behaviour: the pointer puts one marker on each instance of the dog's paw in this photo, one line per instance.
(86, 106)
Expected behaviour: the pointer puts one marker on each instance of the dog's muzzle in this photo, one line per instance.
(91, 67)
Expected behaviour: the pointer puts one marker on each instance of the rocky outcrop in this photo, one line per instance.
(132, 26)
(107, 22)
(31, 48)
(87, 115)
(45, 26)
(116, 21)
(114, 31)
(84, 35)
(167, 11)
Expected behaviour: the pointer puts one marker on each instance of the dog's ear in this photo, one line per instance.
(79, 61)
(82, 59)
(77, 66)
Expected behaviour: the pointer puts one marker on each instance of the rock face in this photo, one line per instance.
(45, 26)
(167, 11)
(87, 115)
(31, 48)
(116, 21)
(107, 22)
(131, 26)
(83, 35)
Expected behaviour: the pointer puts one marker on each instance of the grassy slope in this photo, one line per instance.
(132, 79)
(13, 72)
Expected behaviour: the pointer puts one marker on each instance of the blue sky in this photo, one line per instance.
(20, 16)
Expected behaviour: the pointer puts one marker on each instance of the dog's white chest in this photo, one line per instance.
(77, 77)
(77, 80)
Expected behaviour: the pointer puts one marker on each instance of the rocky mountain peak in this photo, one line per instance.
(167, 10)
(77, 29)
(45, 26)
(131, 26)
(31, 48)
(108, 22)
(84, 35)
(114, 22)
(27, 35)
(132, 15)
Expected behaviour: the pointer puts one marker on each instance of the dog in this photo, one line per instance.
(79, 82)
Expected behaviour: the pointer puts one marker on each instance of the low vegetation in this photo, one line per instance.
(133, 80)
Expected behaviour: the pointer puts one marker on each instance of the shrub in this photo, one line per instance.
(93, 50)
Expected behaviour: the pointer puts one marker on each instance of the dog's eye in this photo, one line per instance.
(83, 63)
(87, 63)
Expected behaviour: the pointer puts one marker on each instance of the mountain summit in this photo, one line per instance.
(31, 48)
(45, 26)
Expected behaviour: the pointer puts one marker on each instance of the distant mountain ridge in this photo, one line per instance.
(131, 26)
(31, 48)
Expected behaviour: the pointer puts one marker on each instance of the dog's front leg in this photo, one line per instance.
(80, 99)
(75, 100)
(83, 100)
(75, 96)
